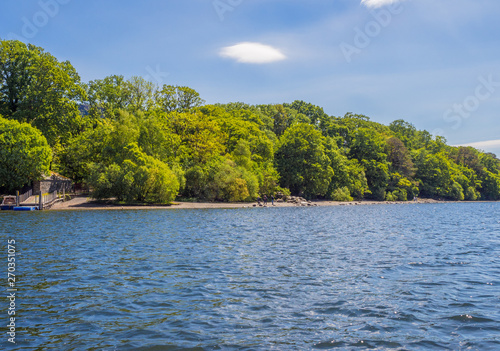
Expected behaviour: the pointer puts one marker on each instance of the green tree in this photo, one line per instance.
(368, 147)
(301, 161)
(24, 154)
(349, 179)
(221, 179)
(38, 89)
(404, 131)
(489, 176)
(141, 93)
(490, 185)
(201, 138)
(177, 98)
(435, 173)
(134, 177)
(490, 162)
(90, 146)
(107, 95)
(399, 157)
(157, 138)
(315, 114)
(281, 120)
(230, 183)
(236, 126)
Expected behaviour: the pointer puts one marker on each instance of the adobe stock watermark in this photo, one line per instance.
(156, 75)
(363, 37)
(461, 111)
(31, 26)
(458, 112)
(223, 6)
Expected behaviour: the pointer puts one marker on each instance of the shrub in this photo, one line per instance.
(24, 154)
(139, 178)
(471, 194)
(457, 192)
(342, 194)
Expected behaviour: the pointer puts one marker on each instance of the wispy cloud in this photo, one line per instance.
(378, 3)
(256, 53)
(488, 144)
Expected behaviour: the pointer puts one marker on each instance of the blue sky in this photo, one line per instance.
(434, 63)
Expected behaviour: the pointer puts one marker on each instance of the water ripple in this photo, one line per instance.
(367, 277)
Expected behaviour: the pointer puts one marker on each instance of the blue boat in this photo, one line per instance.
(25, 208)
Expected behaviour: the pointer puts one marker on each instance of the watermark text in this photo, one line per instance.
(11, 290)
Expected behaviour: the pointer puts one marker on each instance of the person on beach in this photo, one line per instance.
(265, 199)
(272, 200)
(258, 200)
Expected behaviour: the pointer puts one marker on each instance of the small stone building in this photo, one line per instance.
(51, 183)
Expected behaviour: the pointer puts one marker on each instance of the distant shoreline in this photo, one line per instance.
(86, 203)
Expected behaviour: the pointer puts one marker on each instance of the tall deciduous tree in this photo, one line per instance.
(38, 89)
(281, 120)
(302, 162)
(400, 158)
(178, 98)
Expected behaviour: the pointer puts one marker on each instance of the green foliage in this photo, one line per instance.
(136, 141)
(399, 157)
(315, 114)
(37, 89)
(107, 95)
(397, 195)
(490, 162)
(138, 177)
(229, 183)
(281, 120)
(404, 131)
(177, 98)
(268, 178)
(456, 192)
(74, 158)
(283, 191)
(197, 182)
(200, 137)
(301, 161)
(341, 194)
(471, 194)
(221, 180)
(24, 154)
(346, 173)
(157, 138)
(368, 144)
(377, 175)
(434, 173)
(490, 185)
(237, 125)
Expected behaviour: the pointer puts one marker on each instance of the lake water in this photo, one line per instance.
(407, 277)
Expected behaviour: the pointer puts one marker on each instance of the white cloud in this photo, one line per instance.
(483, 145)
(378, 3)
(248, 52)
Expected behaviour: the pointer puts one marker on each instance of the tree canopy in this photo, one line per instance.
(132, 140)
(24, 154)
(38, 89)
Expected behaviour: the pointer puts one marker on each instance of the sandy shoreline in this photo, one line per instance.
(85, 203)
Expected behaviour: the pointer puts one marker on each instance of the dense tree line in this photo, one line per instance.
(132, 140)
